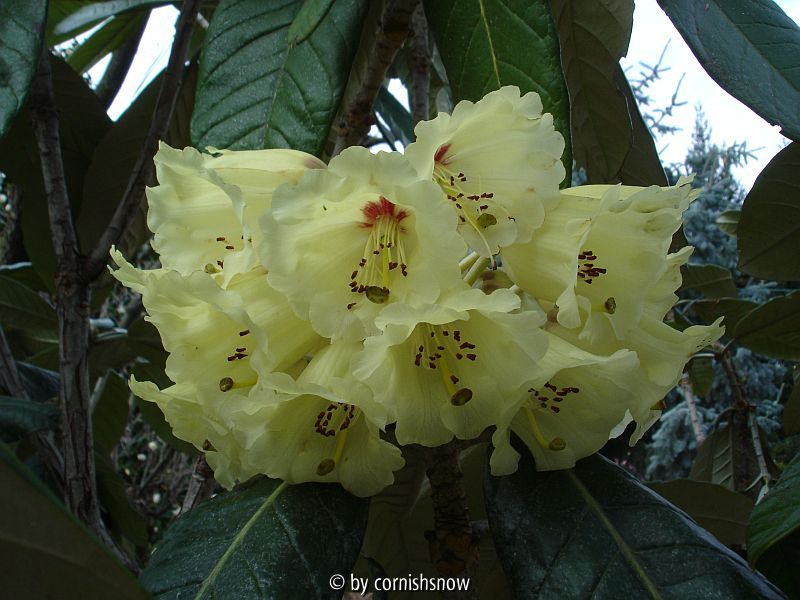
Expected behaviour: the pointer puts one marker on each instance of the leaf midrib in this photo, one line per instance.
(238, 539)
(626, 550)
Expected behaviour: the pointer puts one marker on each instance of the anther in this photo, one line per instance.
(325, 466)
(610, 305)
(211, 269)
(225, 384)
(486, 220)
(377, 295)
(461, 397)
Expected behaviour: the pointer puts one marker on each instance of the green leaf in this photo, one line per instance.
(642, 166)
(773, 329)
(18, 417)
(715, 508)
(121, 516)
(773, 534)
(110, 415)
(595, 531)
(97, 11)
(701, 374)
(769, 226)
(57, 12)
(22, 272)
(24, 309)
(82, 124)
(732, 309)
(104, 41)
(21, 31)
(712, 281)
(46, 552)
(727, 457)
(154, 418)
(486, 44)
(262, 540)
(396, 116)
(728, 221)
(308, 19)
(749, 47)
(255, 91)
(594, 36)
(791, 410)
(41, 385)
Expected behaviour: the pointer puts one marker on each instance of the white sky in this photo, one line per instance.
(730, 120)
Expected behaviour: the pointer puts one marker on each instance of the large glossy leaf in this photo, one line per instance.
(733, 309)
(262, 540)
(642, 165)
(791, 410)
(24, 309)
(46, 552)
(712, 281)
(594, 36)
(82, 124)
(104, 41)
(40, 384)
(486, 44)
(773, 534)
(21, 31)
(596, 532)
(18, 417)
(773, 328)
(716, 508)
(749, 47)
(769, 225)
(123, 519)
(110, 414)
(307, 20)
(94, 12)
(257, 91)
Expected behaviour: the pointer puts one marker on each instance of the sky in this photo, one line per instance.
(730, 121)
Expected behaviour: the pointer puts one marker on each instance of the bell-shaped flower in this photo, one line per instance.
(323, 426)
(498, 163)
(602, 249)
(571, 415)
(448, 368)
(186, 413)
(204, 207)
(212, 334)
(365, 233)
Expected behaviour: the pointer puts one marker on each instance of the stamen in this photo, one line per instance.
(461, 397)
(210, 269)
(556, 444)
(325, 466)
(227, 384)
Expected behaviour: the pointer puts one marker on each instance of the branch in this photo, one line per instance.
(201, 484)
(375, 56)
(453, 543)
(691, 403)
(420, 67)
(72, 307)
(143, 170)
(120, 64)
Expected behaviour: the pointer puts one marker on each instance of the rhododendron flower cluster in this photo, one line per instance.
(318, 316)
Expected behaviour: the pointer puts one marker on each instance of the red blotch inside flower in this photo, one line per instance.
(438, 158)
(383, 208)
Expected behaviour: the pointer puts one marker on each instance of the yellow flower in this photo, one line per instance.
(346, 242)
(205, 207)
(600, 251)
(322, 427)
(498, 162)
(451, 368)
